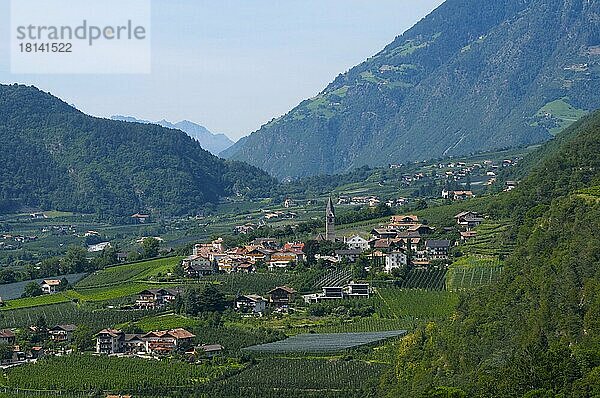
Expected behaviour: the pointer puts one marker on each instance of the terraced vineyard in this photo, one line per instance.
(424, 279)
(491, 240)
(472, 272)
(339, 277)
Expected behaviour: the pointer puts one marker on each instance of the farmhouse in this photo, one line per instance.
(383, 233)
(282, 296)
(167, 341)
(251, 303)
(404, 221)
(155, 298)
(421, 229)
(50, 286)
(468, 219)
(210, 350)
(62, 333)
(7, 336)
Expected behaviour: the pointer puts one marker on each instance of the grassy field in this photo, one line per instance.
(140, 271)
(565, 113)
(81, 295)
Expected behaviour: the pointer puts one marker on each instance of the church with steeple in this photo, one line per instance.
(330, 221)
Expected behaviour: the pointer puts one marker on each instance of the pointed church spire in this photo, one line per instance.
(330, 221)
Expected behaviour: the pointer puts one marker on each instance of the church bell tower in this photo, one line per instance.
(330, 221)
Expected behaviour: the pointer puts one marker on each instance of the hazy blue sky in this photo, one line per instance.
(233, 65)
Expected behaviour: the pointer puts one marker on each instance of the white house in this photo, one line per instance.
(395, 259)
(251, 303)
(50, 286)
(357, 243)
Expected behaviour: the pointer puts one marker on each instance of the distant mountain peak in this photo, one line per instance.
(214, 143)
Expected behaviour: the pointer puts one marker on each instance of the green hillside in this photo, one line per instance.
(471, 76)
(535, 330)
(55, 157)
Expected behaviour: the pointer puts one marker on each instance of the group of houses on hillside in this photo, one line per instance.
(211, 258)
(58, 334)
(281, 296)
(403, 241)
(111, 341)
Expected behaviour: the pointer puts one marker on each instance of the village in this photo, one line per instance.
(403, 243)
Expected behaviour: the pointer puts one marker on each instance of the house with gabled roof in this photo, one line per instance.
(50, 286)
(404, 221)
(7, 336)
(155, 298)
(468, 219)
(282, 296)
(167, 341)
(62, 333)
(109, 341)
(251, 303)
(437, 249)
(357, 242)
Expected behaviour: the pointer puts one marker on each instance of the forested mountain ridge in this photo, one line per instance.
(56, 157)
(471, 76)
(535, 333)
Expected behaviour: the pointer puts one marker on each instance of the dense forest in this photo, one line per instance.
(55, 157)
(536, 332)
(473, 75)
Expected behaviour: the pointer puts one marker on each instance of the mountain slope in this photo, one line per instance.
(213, 143)
(55, 157)
(473, 75)
(536, 331)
